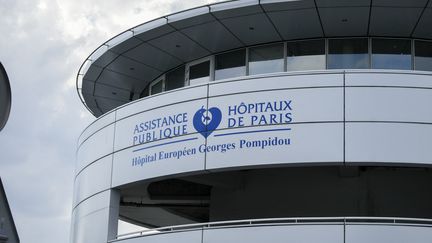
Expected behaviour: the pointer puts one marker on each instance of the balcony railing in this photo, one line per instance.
(388, 221)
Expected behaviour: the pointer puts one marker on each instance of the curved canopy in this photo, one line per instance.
(118, 71)
(5, 97)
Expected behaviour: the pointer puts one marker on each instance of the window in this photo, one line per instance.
(231, 64)
(423, 55)
(145, 92)
(306, 55)
(391, 54)
(266, 59)
(175, 79)
(199, 72)
(348, 53)
(157, 86)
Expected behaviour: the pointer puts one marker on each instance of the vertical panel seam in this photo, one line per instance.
(113, 148)
(344, 117)
(205, 139)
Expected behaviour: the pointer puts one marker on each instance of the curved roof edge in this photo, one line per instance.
(118, 70)
(5, 97)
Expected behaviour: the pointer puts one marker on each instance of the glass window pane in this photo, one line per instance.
(175, 79)
(266, 59)
(145, 92)
(199, 73)
(348, 53)
(423, 55)
(391, 54)
(156, 88)
(306, 55)
(231, 64)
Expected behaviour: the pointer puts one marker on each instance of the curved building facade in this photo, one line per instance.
(295, 121)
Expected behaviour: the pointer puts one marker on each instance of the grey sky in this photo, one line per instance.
(42, 45)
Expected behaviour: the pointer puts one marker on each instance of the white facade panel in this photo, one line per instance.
(389, 78)
(275, 82)
(100, 123)
(276, 234)
(93, 179)
(159, 158)
(388, 143)
(267, 107)
(95, 147)
(387, 234)
(161, 100)
(92, 228)
(157, 124)
(388, 104)
(272, 145)
(92, 204)
(194, 236)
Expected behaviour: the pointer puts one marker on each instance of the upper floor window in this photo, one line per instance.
(348, 53)
(230, 64)
(391, 54)
(157, 86)
(199, 72)
(423, 55)
(266, 59)
(175, 79)
(306, 55)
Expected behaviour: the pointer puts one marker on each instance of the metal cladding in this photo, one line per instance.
(265, 150)
(5, 97)
(116, 72)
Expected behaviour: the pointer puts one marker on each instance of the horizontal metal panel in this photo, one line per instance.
(95, 147)
(388, 104)
(387, 234)
(97, 222)
(159, 158)
(160, 100)
(156, 124)
(177, 237)
(277, 234)
(393, 143)
(91, 205)
(270, 82)
(391, 78)
(93, 179)
(95, 126)
(298, 143)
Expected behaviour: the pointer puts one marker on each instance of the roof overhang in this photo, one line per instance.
(5, 97)
(116, 72)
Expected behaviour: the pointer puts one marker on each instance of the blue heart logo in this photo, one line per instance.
(206, 121)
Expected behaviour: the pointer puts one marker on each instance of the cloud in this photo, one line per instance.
(43, 43)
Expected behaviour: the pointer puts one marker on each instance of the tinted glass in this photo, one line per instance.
(391, 54)
(199, 73)
(156, 88)
(145, 92)
(266, 59)
(306, 55)
(423, 55)
(348, 53)
(231, 64)
(175, 79)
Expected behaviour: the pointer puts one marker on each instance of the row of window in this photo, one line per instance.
(346, 53)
